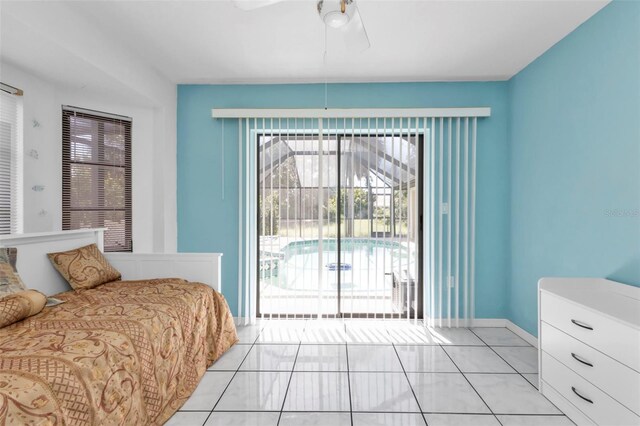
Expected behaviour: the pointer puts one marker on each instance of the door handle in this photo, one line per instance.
(580, 396)
(581, 324)
(577, 358)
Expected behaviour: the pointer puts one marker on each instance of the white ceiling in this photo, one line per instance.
(214, 42)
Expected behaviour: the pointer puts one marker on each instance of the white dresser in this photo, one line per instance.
(589, 334)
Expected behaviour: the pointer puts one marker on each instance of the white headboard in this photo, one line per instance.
(34, 266)
(36, 270)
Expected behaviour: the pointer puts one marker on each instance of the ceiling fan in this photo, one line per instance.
(341, 14)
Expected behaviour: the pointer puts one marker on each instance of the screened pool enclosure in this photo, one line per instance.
(338, 223)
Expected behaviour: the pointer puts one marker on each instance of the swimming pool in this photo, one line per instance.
(366, 264)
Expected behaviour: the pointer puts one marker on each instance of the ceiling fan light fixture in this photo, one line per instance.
(335, 13)
(336, 19)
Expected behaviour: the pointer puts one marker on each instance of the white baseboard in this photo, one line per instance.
(502, 322)
(529, 338)
(488, 322)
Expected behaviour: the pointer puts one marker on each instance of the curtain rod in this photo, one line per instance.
(11, 90)
(350, 112)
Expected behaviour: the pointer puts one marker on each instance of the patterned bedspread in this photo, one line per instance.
(125, 353)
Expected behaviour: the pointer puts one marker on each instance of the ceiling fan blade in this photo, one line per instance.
(254, 4)
(355, 35)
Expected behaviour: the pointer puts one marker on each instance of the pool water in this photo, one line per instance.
(366, 265)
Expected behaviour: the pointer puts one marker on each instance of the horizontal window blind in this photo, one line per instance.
(10, 165)
(96, 175)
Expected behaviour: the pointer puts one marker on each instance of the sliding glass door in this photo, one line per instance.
(379, 221)
(338, 223)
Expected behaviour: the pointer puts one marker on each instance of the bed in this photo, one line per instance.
(125, 352)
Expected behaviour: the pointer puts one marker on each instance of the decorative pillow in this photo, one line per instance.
(84, 267)
(9, 255)
(18, 306)
(10, 281)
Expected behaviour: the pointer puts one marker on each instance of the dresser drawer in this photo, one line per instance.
(611, 337)
(594, 403)
(615, 379)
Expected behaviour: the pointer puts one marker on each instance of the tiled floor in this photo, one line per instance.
(371, 373)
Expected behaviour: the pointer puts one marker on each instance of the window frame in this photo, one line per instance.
(14, 172)
(67, 208)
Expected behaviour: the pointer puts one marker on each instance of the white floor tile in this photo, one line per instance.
(188, 418)
(208, 391)
(461, 420)
(280, 335)
(388, 419)
(455, 336)
(523, 358)
(373, 358)
(290, 324)
(410, 334)
(282, 331)
(255, 391)
(231, 359)
(416, 358)
(532, 378)
(510, 394)
(244, 418)
(499, 336)
(248, 333)
(330, 333)
(477, 359)
(535, 421)
(382, 392)
(315, 419)
(318, 391)
(270, 358)
(369, 333)
(446, 393)
(322, 358)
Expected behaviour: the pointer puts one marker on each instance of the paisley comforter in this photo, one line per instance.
(123, 353)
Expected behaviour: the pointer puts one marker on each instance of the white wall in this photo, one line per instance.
(39, 104)
(59, 55)
(153, 157)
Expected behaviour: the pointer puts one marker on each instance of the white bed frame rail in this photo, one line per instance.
(36, 270)
(198, 267)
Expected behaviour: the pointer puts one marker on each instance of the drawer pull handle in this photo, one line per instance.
(579, 324)
(577, 393)
(577, 358)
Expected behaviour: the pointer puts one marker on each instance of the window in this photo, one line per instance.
(10, 162)
(96, 175)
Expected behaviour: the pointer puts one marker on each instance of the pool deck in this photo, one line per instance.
(275, 245)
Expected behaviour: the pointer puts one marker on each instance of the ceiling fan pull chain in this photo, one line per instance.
(324, 64)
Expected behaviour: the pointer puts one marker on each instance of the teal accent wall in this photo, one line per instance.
(574, 132)
(207, 222)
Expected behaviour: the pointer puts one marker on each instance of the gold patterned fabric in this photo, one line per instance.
(84, 267)
(9, 255)
(18, 306)
(10, 281)
(123, 353)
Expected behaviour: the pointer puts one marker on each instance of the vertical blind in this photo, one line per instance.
(96, 175)
(449, 205)
(446, 145)
(10, 165)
